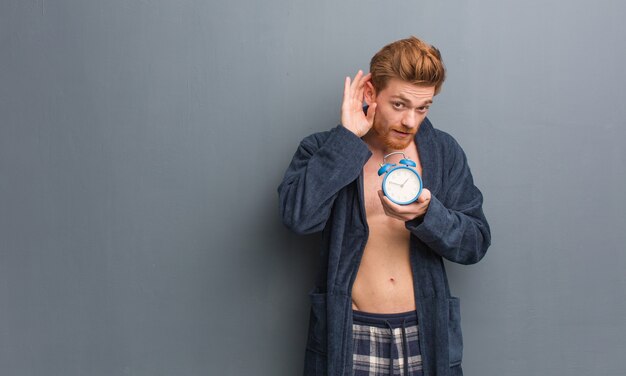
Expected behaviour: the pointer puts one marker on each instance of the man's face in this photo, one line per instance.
(401, 108)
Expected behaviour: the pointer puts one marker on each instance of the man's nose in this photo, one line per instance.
(410, 119)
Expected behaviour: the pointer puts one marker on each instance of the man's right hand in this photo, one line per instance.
(352, 116)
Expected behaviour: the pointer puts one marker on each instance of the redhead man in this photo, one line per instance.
(381, 304)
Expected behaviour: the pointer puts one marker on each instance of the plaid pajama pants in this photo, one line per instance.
(386, 344)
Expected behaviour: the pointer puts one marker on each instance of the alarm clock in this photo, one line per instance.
(402, 184)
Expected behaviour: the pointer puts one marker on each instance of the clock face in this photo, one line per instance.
(402, 185)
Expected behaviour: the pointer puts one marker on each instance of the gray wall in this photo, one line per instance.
(141, 143)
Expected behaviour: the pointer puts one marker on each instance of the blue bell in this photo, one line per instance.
(385, 167)
(407, 162)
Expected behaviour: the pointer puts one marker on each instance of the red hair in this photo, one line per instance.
(410, 60)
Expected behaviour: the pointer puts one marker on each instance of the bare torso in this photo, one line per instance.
(384, 281)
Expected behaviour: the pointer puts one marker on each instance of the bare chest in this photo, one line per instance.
(384, 282)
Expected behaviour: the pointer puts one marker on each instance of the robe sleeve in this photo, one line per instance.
(454, 225)
(320, 168)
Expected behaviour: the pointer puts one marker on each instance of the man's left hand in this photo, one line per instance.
(406, 212)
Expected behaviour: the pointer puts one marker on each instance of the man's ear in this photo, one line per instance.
(369, 93)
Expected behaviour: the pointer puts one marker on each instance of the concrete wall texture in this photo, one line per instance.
(141, 144)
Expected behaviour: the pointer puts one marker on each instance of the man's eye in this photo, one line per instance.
(398, 104)
(423, 108)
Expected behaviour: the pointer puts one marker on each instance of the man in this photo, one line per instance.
(381, 304)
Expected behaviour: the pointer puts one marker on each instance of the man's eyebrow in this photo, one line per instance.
(402, 97)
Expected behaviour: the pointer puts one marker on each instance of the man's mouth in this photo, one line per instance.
(401, 134)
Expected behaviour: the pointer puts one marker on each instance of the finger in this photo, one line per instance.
(356, 85)
(384, 201)
(346, 91)
(371, 111)
(358, 76)
(346, 87)
(393, 207)
(389, 207)
(387, 203)
(360, 85)
(363, 78)
(405, 215)
(424, 196)
(402, 212)
(387, 210)
(393, 215)
(357, 79)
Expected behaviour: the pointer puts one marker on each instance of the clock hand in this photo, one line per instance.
(402, 185)
(393, 182)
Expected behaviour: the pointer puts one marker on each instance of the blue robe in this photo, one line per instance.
(322, 190)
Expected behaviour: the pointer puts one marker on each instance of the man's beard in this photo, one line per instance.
(393, 144)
